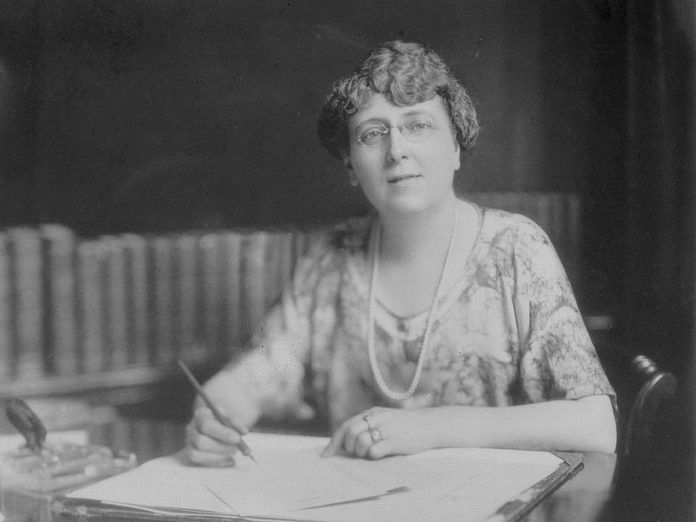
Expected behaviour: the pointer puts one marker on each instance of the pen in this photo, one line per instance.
(246, 451)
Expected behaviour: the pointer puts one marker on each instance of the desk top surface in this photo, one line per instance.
(602, 490)
(581, 499)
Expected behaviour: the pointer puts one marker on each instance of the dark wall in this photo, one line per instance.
(171, 113)
(168, 114)
(18, 50)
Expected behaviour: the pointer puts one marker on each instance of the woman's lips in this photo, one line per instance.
(403, 177)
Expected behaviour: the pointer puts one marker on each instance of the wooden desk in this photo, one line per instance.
(582, 499)
(585, 497)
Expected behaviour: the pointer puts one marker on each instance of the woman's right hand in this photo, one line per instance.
(213, 443)
(210, 442)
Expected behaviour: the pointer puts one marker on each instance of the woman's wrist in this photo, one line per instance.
(444, 429)
(574, 425)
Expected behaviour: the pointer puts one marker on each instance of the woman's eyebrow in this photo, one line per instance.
(409, 114)
(419, 112)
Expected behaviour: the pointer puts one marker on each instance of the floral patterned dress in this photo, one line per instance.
(507, 332)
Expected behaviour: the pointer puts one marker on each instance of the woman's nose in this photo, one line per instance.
(398, 148)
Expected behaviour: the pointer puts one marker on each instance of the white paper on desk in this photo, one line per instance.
(148, 486)
(291, 482)
(476, 483)
(288, 479)
(290, 475)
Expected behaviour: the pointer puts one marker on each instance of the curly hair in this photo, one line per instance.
(406, 74)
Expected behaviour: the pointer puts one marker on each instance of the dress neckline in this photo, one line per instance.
(463, 271)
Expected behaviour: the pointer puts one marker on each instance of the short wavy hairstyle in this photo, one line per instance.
(406, 74)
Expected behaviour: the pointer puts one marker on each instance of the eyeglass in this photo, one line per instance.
(374, 134)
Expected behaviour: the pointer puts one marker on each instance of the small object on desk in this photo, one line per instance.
(245, 449)
(60, 466)
(27, 423)
(43, 467)
(48, 464)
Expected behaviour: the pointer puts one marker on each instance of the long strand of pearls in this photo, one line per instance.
(374, 365)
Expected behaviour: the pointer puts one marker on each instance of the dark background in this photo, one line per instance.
(115, 103)
(160, 115)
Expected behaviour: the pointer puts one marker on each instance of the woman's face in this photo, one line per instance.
(404, 158)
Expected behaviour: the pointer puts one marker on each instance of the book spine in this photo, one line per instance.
(500, 200)
(571, 232)
(253, 291)
(526, 202)
(185, 295)
(135, 250)
(29, 357)
(271, 261)
(303, 241)
(118, 436)
(561, 216)
(116, 343)
(143, 438)
(160, 303)
(211, 302)
(280, 266)
(60, 314)
(480, 198)
(546, 204)
(6, 358)
(287, 262)
(170, 437)
(91, 300)
(496, 200)
(299, 245)
(231, 270)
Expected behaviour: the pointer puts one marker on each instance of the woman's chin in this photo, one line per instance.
(407, 206)
(411, 202)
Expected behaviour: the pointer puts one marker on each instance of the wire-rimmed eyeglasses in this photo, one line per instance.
(374, 134)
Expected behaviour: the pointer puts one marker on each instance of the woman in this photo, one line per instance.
(403, 325)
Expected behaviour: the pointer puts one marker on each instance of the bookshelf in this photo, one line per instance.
(107, 317)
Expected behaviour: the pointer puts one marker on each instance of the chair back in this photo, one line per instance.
(655, 387)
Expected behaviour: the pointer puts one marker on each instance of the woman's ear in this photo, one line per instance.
(457, 156)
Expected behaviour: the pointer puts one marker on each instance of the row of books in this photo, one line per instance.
(558, 213)
(71, 305)
(146, 438)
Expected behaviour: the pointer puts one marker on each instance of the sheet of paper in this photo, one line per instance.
(476, 483)
(296, 477)
(292, 482)
(289, 474)
(156, 484)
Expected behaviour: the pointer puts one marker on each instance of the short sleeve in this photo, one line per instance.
(272, 369)
(558, 359)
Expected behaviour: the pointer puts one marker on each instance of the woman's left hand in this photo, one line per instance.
(379, 432)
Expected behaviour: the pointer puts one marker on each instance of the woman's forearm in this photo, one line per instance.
(259, 385)
(230, 394)
(586, 424)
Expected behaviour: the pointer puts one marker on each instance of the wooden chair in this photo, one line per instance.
(654, 388)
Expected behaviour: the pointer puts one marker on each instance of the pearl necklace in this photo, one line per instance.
(374, 366)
